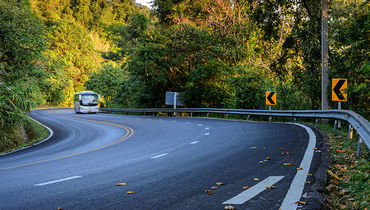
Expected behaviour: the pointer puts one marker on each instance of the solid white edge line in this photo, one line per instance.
(253, 191)
(51, 133)
(296, 188)
(158, 156)
(59, 180)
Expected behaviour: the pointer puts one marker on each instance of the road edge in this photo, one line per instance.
(51, 133)
(313, 193)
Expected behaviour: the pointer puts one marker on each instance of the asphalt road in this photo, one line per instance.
(167, 162)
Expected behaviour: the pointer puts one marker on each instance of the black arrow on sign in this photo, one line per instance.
(337, 88)
(270, 99)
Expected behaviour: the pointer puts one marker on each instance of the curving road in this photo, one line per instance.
(167, 162)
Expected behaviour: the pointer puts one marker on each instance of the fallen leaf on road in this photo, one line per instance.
(129, 192)
(315, 148)
(281, 148)
(288, 164)
(245, 188)
(60, 208)
(318, 151)
(208, 192)
(219, 183)
(270, 187)
(334, 181)
(121, 184)
(261, 162)
(301, 202)
(252, 147)
(229, 207)
(307, 182)
(256, 179)
(309, 174)
(334, 175)
(329, 187)
(268, 158)
(343, 206)
(298, 169)
(214, 188)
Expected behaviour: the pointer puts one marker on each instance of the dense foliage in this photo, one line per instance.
(22, 41)
(219, 53)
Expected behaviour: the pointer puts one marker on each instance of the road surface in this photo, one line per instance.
(164, 162)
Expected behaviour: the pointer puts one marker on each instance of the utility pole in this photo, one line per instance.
(324, 57)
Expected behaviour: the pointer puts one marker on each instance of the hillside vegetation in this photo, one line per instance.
(219, 53)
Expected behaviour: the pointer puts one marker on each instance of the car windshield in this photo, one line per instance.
(89, 99)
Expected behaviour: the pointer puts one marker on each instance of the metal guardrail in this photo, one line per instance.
(360, 124)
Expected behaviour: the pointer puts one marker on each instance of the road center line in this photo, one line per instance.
(296, 188)
(207, 134)
(253, 191)
(59, 180)
(194, 142)
(159, 156)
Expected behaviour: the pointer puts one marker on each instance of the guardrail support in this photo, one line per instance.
(207, 114)
(339, 122)
(359, 147)
(295, 119)
(270, 118)
(248, 117)
(191, 114)
(316, 120)
(335, 124)
(350, 132)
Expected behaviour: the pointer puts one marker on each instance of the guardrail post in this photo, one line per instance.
(270, 118)
(248, 117)
(359, 147)
(335, 124)
(295, 119)
(191, 114)
(339, 107)
(316, 120)
(350, 132)
(207, 114)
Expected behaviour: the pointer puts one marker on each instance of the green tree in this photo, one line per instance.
(349, 58)
(71, 57)
(107, 82)
(21, 45)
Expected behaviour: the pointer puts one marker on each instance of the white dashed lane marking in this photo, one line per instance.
(159, 156)
(59, 180)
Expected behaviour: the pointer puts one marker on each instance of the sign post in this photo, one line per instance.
(173, 99)
(339, 93)
(270, 100)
